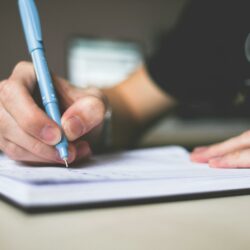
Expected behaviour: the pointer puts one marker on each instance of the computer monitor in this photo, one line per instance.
(101, 62)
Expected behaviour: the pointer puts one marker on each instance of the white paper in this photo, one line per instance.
(145, 173)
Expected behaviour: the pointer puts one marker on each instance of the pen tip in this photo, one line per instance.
(66, 162)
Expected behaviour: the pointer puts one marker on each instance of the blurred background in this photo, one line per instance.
(132, 20)
(78, 33)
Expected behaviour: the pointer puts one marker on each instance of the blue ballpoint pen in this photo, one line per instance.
(33, 34)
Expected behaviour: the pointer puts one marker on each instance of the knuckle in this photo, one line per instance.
(22, 64)
(28, 121)
(23, 73)
(2, 83)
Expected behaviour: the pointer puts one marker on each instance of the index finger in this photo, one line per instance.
(15, 96)
(223, 148)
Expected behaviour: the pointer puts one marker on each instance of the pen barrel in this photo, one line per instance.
(48, 95)
(45, 84)
(44, 79)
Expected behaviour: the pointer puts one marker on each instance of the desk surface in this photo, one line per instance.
(193, 132)
(222, 223)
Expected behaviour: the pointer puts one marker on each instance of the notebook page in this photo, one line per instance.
(110, 167)
(167, 163)
(132, 175)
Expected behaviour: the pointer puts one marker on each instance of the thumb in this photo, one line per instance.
(82, 116)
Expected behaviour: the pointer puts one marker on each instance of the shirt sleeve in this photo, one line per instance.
(203, 60)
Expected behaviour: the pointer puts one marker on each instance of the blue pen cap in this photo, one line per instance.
(31, 24)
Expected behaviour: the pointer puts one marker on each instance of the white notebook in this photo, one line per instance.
(130, 176)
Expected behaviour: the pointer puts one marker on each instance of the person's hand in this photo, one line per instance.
(233, 153)
(27, 134)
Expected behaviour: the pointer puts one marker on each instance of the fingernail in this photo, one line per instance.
(83, 150)
(51, 135)
(74, 127)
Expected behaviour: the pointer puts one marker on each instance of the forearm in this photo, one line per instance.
(135, 103)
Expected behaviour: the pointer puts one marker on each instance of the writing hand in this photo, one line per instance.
(27, 134)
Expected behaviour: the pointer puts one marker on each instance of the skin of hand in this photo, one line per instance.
(232, 153)
(136, 103)
(152, 102)
(27, 134)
